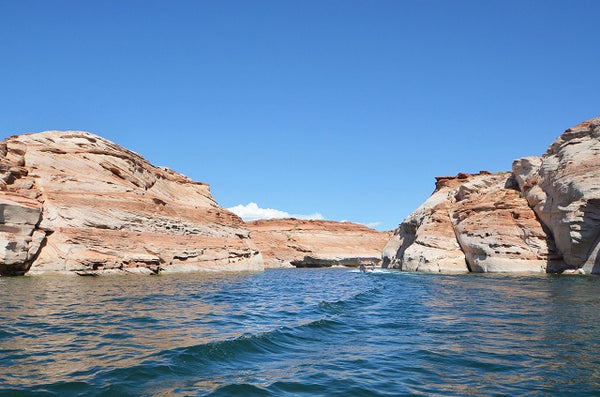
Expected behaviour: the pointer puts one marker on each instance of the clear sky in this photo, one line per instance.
(347, 109)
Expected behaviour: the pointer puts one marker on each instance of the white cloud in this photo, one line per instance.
(372, 225)
(252, 212)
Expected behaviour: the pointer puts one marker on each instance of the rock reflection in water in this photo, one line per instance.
(495, 325)
(64, 326)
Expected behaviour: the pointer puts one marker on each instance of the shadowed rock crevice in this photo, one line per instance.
(20, 238)
(404, 237)
(591, 216)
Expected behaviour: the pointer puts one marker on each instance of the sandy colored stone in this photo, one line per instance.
(498, 231)
(289, 242)
(425, 241)
(105, 207)
(471, 222)
(19, 240)
(563, 187)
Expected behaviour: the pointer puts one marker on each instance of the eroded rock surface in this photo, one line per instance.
(104, 208)
(311, 243)
(476, 223)
(426, 241)
(544, 216)
(498, 231)
(563, 187)
(20, 240)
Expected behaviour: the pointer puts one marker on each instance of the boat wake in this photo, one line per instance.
(182, 367)
(376, 271)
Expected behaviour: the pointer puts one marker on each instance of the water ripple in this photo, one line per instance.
(300, 332)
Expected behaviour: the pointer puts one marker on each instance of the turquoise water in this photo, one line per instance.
(294, 332)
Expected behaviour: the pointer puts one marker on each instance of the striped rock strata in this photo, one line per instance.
(563, 187)
(75, 202)
(544, 216)
(476, 223)
(311, 243)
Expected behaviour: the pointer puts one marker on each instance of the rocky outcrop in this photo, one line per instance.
(20, 240)
(426, 240)
(498, 231)
(75, 202)
(472, 222)
(563, 187)
(310, 243)
(544, 216)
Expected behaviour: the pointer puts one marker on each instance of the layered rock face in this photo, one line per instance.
(544, 216)
(73, 201)
(563, 187)
(20, 240)
(309, 243)
(476, 223)
(498, 231)
(426, 241)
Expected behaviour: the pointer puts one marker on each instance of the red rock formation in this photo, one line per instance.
(105, 208)
(563, 187)
(475, 222)
(426, 241)
(545, 216)
(498, 231)
(287, 242)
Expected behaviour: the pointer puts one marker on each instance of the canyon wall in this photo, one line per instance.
(311, 243)
(563, 187)
(74, 202)
(544, 216)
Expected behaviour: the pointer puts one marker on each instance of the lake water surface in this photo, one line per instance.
(294, 332)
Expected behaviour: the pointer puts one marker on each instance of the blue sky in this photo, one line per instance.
(347, 109)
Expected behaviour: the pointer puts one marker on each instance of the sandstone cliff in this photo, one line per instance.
(476, 223)
(563, 187)
(310, 243)
(73, 201)
(542, 217)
